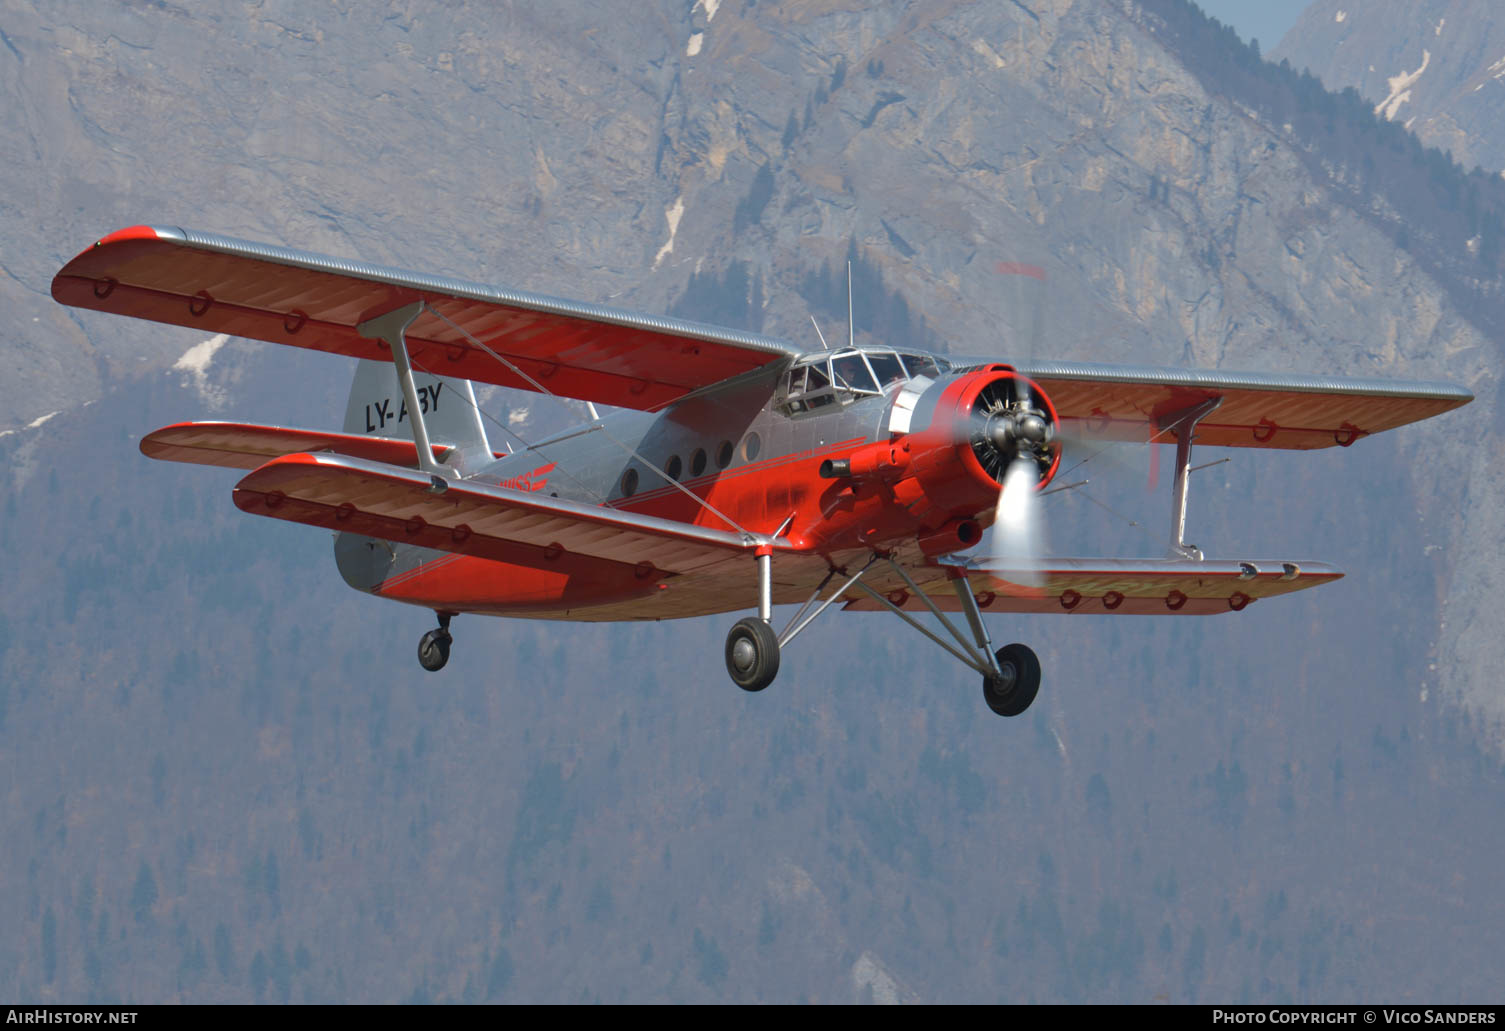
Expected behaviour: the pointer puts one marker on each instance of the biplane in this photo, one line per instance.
(736, 472)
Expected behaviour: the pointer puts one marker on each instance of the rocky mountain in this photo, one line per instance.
(1436, 66)
(226, 779)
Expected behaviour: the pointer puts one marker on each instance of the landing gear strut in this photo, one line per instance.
(752, 647)
(1010, 691)
(433, 647)
(1010, 676)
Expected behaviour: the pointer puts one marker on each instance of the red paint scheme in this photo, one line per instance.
(900, 488)
(499, 587)
(531, 482)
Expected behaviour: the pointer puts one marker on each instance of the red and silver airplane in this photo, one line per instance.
(744, 472)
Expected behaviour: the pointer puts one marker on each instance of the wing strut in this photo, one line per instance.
(979, 657)
(392, 327)
(1184, 424)
(963, 589)
(796, 623)
(976, 653)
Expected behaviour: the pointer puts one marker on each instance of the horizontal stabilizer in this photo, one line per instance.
(238, 445)
(470, 518)
(1130, 587)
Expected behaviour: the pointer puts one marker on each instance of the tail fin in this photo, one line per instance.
(376, 406)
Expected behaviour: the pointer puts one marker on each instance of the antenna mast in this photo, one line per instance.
(851, 329)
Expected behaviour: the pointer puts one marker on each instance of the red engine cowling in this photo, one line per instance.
(982, 423)
(939, 482)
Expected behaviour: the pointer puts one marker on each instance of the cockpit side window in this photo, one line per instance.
(924, 364)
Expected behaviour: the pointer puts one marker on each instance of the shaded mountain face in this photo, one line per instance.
(1438, 66)
(228, 780)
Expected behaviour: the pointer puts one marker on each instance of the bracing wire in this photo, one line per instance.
(600, 426)
(511, 433)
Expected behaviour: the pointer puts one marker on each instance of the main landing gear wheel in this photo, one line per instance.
(1011, 694)
(752, 654)
(433, 647)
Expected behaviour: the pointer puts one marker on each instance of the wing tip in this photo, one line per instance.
(64, 288)
(129, 233)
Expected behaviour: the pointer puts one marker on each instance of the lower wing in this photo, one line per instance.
(1112, 586)
(354, 495)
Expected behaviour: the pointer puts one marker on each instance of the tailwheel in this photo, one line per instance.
(433, 647)
(1013, 691)
(752, 654)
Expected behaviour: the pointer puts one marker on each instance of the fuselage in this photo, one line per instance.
(746, 455)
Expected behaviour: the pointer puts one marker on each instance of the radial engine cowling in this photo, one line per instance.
(982, 422)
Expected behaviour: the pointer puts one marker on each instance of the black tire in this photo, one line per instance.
(1012, 694)
(752, 654)
(433, 650)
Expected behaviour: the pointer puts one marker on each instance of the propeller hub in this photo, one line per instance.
(1001, 432)
(1032, 429)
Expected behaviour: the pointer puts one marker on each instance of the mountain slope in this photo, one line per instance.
(1438, 66)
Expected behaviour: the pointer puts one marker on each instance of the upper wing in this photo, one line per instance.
(289, 297)
(1137, 402)
(470, 518)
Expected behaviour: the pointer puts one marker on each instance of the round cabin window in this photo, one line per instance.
(724, 454)
(674, 467)
(697, 462)
(751, 445)
(629, 483)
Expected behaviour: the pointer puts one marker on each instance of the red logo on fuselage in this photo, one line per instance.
(533, 481)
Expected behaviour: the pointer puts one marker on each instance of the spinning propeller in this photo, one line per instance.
(1013, 435)
(1021, 435)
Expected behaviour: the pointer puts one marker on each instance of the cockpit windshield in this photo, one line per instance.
(886, 367)
(851, 371)
(833, 378)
